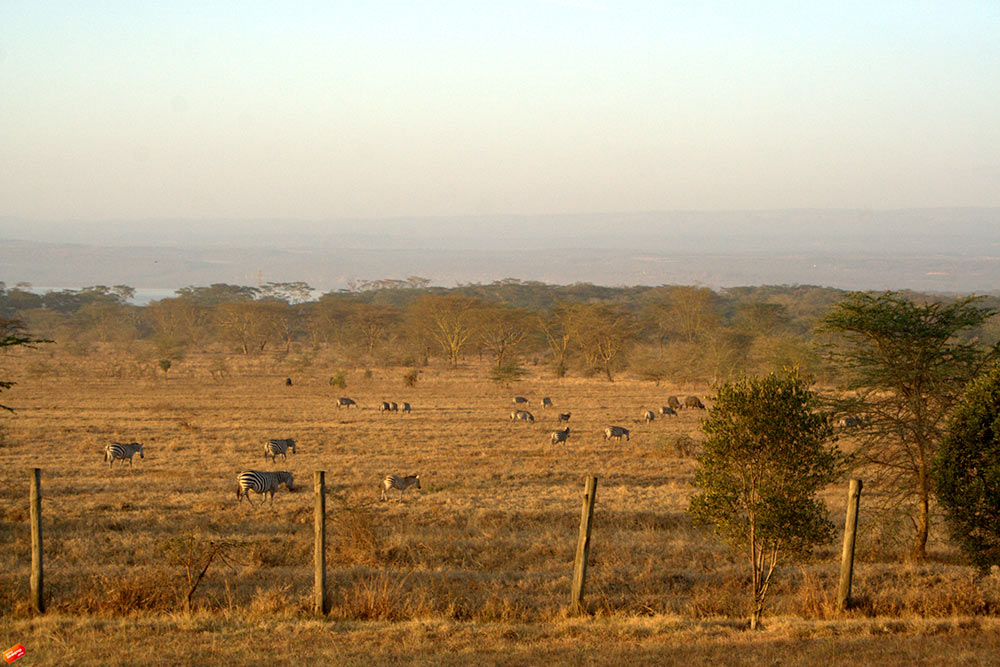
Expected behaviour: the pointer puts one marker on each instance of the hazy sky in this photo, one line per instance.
(125, 110)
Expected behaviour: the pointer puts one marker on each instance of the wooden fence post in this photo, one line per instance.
(319, 555)
(583, 546)
(37, 588)
(850, 532)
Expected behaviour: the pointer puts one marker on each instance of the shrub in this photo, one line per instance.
(410, 379)
(966, 472)
(339, 379)
(765, 458)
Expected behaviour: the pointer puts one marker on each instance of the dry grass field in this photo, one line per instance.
(473, 567)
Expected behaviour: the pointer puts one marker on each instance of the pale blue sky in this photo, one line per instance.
(126, 110)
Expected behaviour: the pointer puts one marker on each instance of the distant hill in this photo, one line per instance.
(937, 250)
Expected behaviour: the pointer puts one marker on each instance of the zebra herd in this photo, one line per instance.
(616, 432)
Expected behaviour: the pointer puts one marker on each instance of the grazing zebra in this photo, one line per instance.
(288, 382)
(546, 402)
(564, 416)
(384, 407)
(522, 415)
(519, 400)
(665, 410)
(275, 447)
(560, 436)
(616, 432)
(345, 402)
(122, 451)
(401, 483)
(406, 407)
(261, 482)
(674, 403)
(393, 407)
(648, 416)
(693, 402)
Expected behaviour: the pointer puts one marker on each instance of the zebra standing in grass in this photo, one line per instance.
(667, 410)
(564, 416)
(261, 482)
(648, 416)
(522, 415)
(546, 402)
(616, 432)
(560, 436)
(401, 483)
(275, 447)
(345, 402)
(122, 451)
(406, 407)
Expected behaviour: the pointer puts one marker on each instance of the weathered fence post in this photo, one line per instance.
(850, 531)
(583, 546)
(37, 587)
(319, 555)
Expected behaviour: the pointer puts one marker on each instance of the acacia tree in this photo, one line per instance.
(501, 330)
(602, 332)
(966, 472)
(907, 369)
(448, 320)
(766, 455)
(558, 334)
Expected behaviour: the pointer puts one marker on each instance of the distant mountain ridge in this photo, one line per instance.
(943, 250)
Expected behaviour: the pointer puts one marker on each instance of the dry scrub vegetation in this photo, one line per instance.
(477, 562)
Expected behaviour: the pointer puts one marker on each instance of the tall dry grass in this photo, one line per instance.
(489, 538)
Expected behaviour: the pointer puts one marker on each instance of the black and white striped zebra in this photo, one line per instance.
(345, 402)
(405, 408)
(261, 482)
(401, 483)
(561, 435)
(122, 451)
(564, 416)
(648, 416)
(667, 410)
(522, 415)
(275, 447)
(616, 432)
(546, 402)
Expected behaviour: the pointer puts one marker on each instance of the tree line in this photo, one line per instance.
(686, 334)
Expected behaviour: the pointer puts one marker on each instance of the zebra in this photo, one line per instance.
(405, 408)
(519, 400)
(693, 402)
(560, 436)
(615, 432)
(674, 403)
(122, 451)
(384, 407)
(393, 406)
(648, 416)
(546, 402)
(564, 416)
(345, 403)
(261, 482)
(665, 410)
(522, 415)
(275, 447)
(401, 483)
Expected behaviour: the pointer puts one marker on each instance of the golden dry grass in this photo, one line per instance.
(480, 558)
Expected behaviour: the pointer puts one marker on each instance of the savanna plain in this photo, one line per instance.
(474, 566)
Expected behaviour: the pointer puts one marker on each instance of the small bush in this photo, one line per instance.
(339, 379)
(368, 374)
(507, 373)
(410, 379)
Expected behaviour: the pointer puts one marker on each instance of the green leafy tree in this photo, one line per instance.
(966, 472)
(906, 367)
(766, 455)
